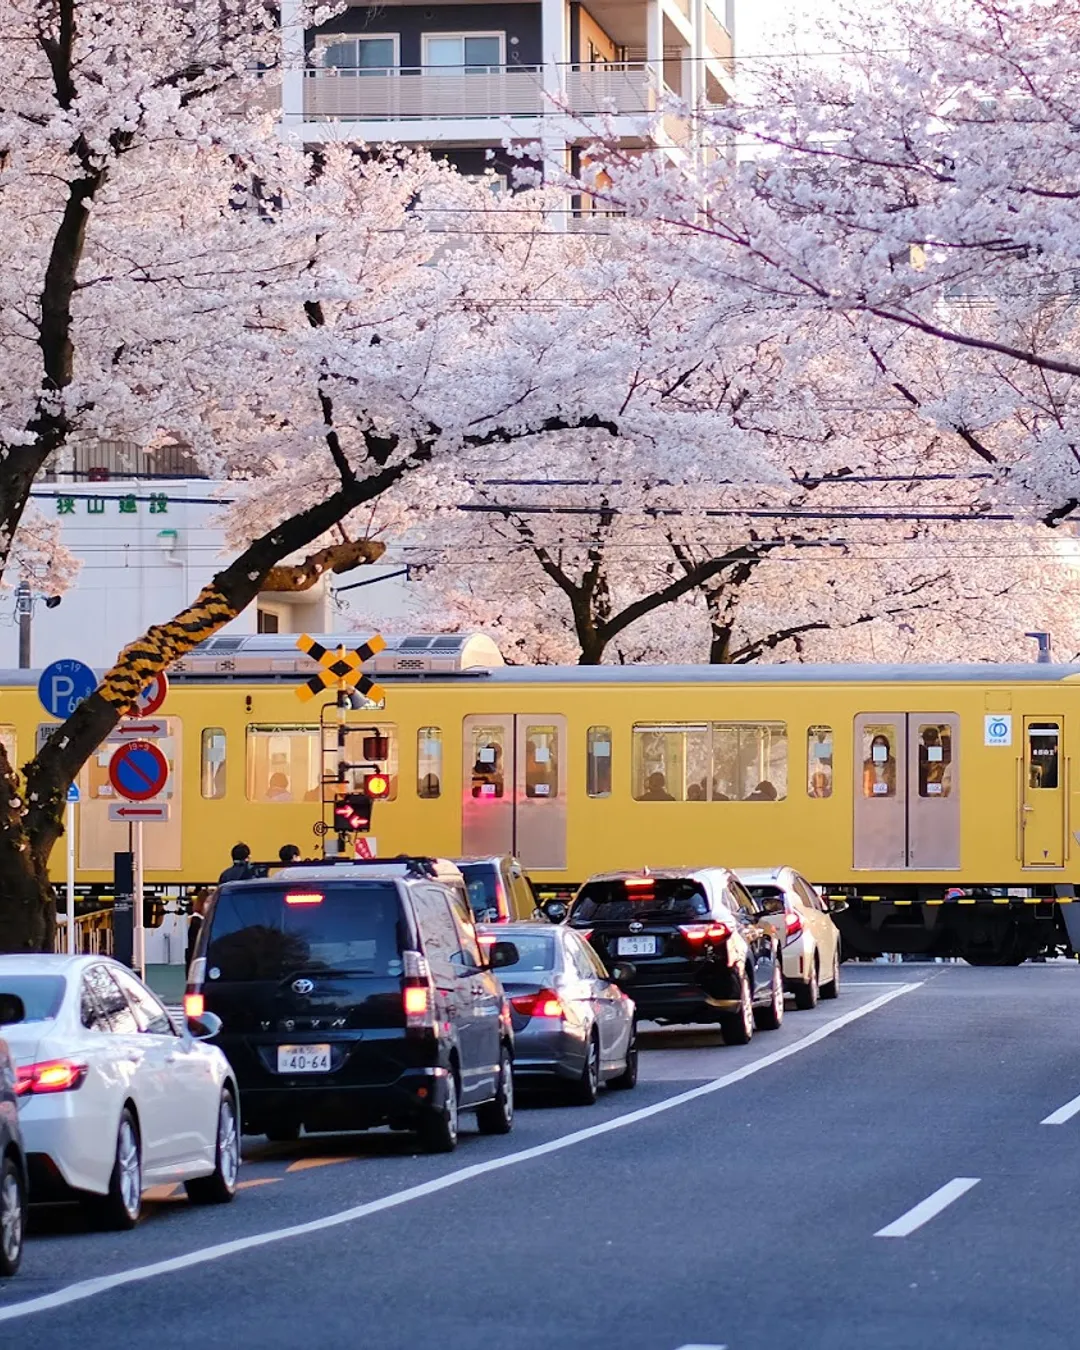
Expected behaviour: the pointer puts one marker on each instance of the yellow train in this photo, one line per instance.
(937, 799)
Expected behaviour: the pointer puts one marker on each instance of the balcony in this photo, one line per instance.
(432, 93)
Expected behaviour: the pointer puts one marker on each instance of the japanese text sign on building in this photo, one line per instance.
(127, 504)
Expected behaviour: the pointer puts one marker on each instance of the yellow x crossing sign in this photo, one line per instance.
(340, 667)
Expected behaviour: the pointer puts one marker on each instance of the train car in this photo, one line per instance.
(937, 800)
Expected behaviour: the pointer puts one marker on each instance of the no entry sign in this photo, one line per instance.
(138, 771)
(153, 696)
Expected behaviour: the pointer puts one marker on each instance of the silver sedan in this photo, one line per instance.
(574, 1028)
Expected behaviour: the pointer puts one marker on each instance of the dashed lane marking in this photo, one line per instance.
(306, 1164)
(258, 1181)
(928, 1209)
(102, 1284)
(1063, 1113)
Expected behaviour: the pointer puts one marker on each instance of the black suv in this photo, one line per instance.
(355, 994)
(694, 939)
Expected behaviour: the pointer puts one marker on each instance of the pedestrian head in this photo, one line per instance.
(240, 853)
(288, 853)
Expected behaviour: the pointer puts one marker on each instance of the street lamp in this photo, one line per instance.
(24, 611)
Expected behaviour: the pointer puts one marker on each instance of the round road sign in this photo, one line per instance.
(64, 685)
(138, 771)
(153, 696)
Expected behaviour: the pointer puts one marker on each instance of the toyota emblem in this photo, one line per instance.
(303, 986)
(635, 927)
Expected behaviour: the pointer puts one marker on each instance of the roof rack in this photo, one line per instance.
(415, 866)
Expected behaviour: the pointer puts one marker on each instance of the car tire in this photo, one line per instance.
(586, 1089)
(807, 993)
(628, 1078)
(220, 1186)
(832, 988)
(119, 1209)
(438, 1129)
(12, 1216)
(497, 1116)
(771, 1017)
(738, 1027)
(284, 1132)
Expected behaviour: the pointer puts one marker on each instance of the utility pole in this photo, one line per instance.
(24, 610)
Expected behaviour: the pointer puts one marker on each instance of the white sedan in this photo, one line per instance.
(113, 1098)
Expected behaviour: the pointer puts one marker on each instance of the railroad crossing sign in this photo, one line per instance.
(340, 667)
(153, 696)
(138, 771)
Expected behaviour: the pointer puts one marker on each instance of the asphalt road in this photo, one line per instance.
(874, 1175)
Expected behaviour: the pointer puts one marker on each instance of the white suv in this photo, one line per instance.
(809, 939)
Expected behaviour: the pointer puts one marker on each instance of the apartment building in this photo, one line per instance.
(462, 78)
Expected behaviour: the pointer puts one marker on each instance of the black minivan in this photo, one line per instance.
(356, 994)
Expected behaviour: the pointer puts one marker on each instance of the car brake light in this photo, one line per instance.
(544, 1003)
(705, 932)
(304, 898)
(794, 923)
(194, 1005)
(416, 1000)
(54, 1075)
(584, 933)
(416, 996)
(639, 884)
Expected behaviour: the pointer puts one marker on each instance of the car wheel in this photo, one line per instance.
(12, 1216)
(584, 1092)
(771, 1016)
(497, 1117)
(438, 1130)
(806, 994)
(120, 1208)
(832, 989)
(738, 1028)
(628, 1078)
(220, 1186)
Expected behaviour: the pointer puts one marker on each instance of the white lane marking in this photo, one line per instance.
(926, 1209)
(1063, 1113)
(84, 1289)
(702, 1347)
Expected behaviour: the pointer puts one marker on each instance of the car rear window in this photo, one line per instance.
(480, 881)
(536, 952)
(41, 994)
(665, 898)
(766, 892)
(257, 934)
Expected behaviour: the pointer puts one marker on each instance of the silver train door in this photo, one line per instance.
(514, 788)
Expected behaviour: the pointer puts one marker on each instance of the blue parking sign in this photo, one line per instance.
(64, 685)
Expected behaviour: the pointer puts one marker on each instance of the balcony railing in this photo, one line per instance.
(433, 92)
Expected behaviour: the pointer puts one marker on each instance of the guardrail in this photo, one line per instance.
(93, 933)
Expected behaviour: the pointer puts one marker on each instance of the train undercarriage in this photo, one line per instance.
(984, 925)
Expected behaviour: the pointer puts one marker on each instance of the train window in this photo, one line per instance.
(429, 762)
(749, 761)
(670, 762)
(935, 760)
(1043, 753)
(598, 762)
(819, 761)
(541, 762)
(371, 749)
(489, 759)
(283, 763)
(212, 773)
(10, 742)
(879, 760)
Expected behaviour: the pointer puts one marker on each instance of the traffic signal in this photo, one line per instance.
(352, 813)
(376, 786)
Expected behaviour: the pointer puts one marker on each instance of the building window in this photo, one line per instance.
(819, 761)
(935, 760)
(465, 53)
(266, 621)
(541, 762)
(361, 55)
(212, 773)
(429, 763)
(283, 764)
(718, 761)
(598, 762)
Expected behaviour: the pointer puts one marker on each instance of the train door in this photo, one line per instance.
(514, 788)
(907, 808)
(1042, 808)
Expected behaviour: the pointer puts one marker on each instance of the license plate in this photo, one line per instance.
(636, 946)
(303, 1059)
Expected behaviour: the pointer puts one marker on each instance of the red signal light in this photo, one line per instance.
(377, 786)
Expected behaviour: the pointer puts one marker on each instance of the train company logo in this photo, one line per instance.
(998, 729)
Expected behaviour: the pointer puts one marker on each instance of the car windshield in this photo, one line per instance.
(643, 898)
(271, 932)
(766, 892)
(480, 880)
(41, 995)
(536, 952)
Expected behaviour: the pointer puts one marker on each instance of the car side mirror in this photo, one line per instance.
(836, 906)
(503, 954)
(554, 910)
(204, 1028)
(622, 972)
(12, 1010)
